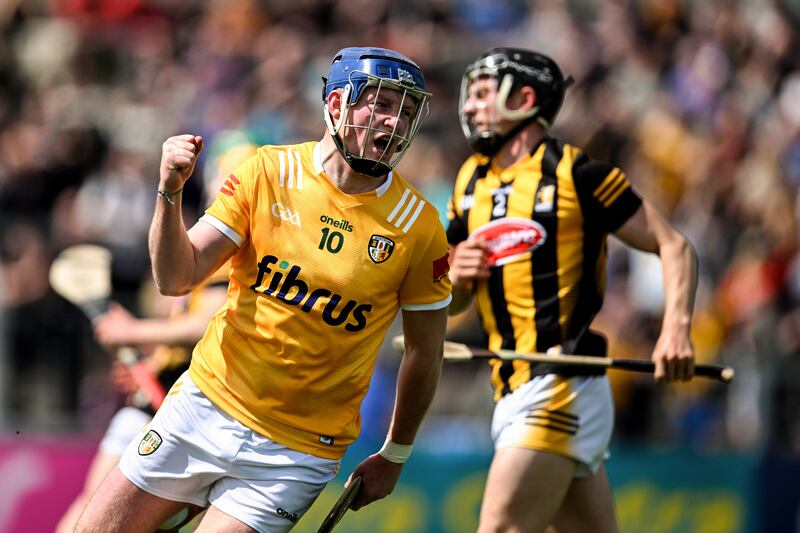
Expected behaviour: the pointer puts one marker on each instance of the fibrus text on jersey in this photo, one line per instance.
(291, 281)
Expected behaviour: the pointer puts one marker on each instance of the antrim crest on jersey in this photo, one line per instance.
(150, 443)
(380, 248)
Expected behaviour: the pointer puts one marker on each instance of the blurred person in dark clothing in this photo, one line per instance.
(49, 340)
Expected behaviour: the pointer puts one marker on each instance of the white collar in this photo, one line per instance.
(321, 170)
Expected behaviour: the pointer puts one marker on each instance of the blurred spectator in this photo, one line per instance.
(49, 340)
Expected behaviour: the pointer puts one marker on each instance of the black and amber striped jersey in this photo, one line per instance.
(549, 294)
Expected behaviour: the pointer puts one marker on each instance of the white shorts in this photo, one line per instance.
(573, 417)
(125, 426)
(194, 452)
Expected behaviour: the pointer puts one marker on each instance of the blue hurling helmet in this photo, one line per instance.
(355, 69)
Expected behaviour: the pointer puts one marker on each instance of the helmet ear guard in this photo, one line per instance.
(514, 68)
(355, 69)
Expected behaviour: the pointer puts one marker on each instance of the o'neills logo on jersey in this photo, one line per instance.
(509, 238)
(380, 248)
(287, 287)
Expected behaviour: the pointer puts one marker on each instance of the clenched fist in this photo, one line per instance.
(178, 156)
(468, 262)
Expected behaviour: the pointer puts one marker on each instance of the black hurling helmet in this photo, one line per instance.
(353, 70)
(513, 68)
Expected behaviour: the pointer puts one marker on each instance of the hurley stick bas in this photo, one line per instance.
(455, 351)
(342, 504)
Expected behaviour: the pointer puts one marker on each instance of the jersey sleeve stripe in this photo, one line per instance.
(609, 181)
(613, 198)
(441, 304)
(406, 211)
(399, 205)
(223, 228)
(299, 170)
(282, 166)
(414, 216)
(291, 169)
(608, 193)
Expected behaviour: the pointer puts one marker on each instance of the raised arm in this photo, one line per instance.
(416, 386)
(182, 260)
(648, 231)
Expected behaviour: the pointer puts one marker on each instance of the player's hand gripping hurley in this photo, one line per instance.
(342, 504)
(82, 275)
(454, 351)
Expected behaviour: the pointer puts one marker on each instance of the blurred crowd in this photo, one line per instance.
(699, 102)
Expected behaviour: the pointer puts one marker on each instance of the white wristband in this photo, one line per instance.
(396, 453)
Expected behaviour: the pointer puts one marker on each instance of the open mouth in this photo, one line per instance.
(381, 143)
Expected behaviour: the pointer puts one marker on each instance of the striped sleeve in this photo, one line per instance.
(605, 194)
(230, 210)
(457, 226)
(426, 286)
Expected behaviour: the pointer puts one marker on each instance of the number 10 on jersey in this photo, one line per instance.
(331, 241)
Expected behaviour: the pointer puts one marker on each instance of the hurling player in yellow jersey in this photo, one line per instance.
(173, 337)
(529, 219)
(326, 244)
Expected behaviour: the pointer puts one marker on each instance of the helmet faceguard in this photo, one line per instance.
(512, 68)
(355, 69)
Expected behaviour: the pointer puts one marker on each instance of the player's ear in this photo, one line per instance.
(526, 97)
(335, 104)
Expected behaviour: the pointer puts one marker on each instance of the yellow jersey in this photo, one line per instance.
(318, 279)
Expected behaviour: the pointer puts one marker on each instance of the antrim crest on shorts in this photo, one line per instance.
(380, 248)
(150, 443)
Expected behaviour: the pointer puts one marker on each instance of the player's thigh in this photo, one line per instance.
(216, 521)
(588, 506)
(102, 464)
(123, 428)
(524, 490)
(120, 506)
(270, 486)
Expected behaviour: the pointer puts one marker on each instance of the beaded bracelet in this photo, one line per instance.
(167, 195)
